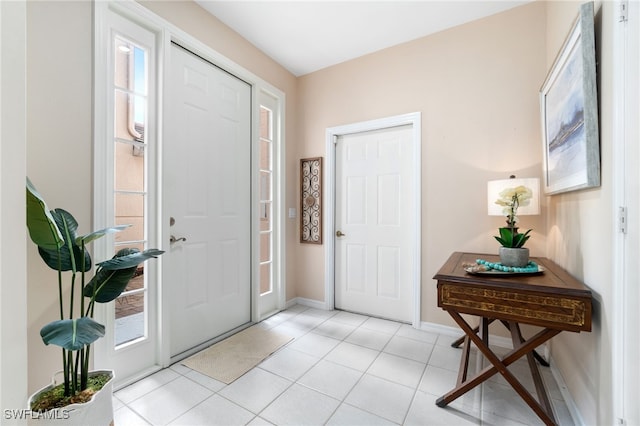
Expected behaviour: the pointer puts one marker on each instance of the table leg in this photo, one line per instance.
(484, 330)
(464, 362)
(536, 355)
(456, 343)
(464, 359)
(500, 366)
(516, 336)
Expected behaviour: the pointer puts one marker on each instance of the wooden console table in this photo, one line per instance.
(553, 300)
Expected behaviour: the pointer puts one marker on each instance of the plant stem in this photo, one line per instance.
(82, 276)
(85, 367)
(72, 373)
(65, 363)
(77, 366)
(84, 358)
(83, 370)
(73, 285)
(60, 289)
(65, 368)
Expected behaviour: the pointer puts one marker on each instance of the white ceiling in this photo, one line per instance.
(305, 36)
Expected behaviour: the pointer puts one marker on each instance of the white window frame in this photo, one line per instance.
(275, 104)
(109, 17)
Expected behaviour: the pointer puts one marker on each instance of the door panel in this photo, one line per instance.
(207, 172)
(376, 213)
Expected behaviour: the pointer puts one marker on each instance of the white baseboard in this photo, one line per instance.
(440, 329)
(499, 341)
(568, 399)
(306, 302)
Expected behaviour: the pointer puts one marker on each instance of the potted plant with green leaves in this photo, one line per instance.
(512, 252)
(83, 397)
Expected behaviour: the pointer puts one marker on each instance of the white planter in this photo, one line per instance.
(97, 412)
(518, 257)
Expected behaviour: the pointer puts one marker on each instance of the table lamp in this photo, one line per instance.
(495, 187)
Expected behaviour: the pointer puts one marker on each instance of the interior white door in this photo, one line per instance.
(374, 219)
(207, 198)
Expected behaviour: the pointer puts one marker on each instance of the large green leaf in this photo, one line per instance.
(108, 285)
(68, 226)
(101, 233)
(509, 237)
(72, 334)
(520, 239)
(113, 275)
(124, 260)
(50, 257)
(41, 224)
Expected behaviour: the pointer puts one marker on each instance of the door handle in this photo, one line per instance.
(340, 234)
(173, 239)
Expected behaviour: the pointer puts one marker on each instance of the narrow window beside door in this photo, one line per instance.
(130, 194)
(266, 200)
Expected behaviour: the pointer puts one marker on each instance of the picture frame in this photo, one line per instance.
(311, 200)
(569, 112)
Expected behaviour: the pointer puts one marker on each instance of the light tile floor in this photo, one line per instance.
(341, 369)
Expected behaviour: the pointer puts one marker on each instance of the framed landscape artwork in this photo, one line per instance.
(569, 111)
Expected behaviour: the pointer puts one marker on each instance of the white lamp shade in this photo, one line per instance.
(495, 187)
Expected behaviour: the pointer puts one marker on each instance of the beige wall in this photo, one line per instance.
(477, 89)
(59, 148)
(580, 234)
(13, 238)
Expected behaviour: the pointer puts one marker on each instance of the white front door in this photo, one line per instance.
(207, 199)
(375, 223)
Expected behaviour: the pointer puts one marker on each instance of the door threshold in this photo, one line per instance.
(205, 345)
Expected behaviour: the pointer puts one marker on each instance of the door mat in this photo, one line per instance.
(231, 358)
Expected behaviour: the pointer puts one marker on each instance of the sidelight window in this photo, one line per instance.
(130, 176)
(266, 200)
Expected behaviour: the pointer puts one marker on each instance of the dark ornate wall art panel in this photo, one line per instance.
(311, 200)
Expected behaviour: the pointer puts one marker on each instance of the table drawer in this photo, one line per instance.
(556, 311)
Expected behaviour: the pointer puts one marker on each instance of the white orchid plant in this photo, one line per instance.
(511, 199)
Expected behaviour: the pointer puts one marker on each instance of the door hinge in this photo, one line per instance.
(623, 10)
(622, 219)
